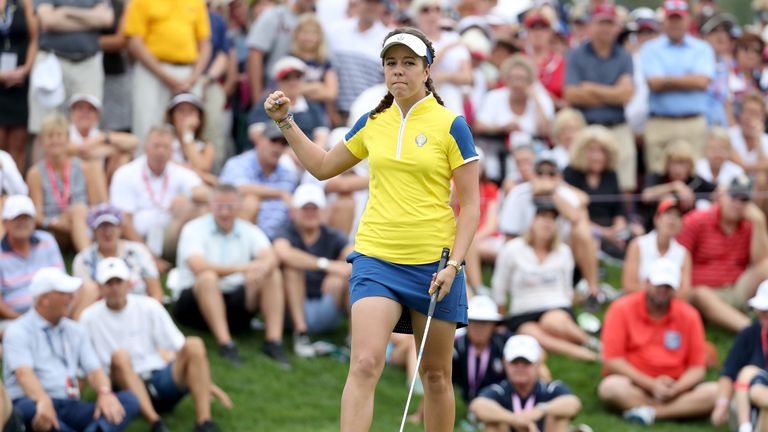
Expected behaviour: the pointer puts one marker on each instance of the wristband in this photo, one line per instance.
(455, 264)
(322, 263)
(285, 122)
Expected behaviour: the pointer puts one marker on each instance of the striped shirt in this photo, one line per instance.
(718, 258)
(16, 271)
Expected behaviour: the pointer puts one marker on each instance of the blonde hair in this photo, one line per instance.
(720, 134)
(566, 115)
(309, 19)
(519, 60)
(590, 134)
(679, 150)
(554, 243)
(53, 122)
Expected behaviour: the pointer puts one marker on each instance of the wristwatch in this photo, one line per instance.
(455, 264)
(322, 263)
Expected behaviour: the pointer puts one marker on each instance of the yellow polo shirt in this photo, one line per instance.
(408, 219)
(170, 29)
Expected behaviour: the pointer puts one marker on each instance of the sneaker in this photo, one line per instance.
(302, 346)
(593, 302)
(159, 426)
(206, 426)
(594, 344)
(589, 323)
(581, 428)
(482, 290)
(609, 292)
(274, 350)
(230, 353)
(323, 348)
(746, 427)
(644, 415)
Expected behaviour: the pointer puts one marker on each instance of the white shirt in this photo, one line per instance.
(728, 171)
(530, 284)
(453, 55)
(11, 181)
(649, 253)
(496, 111)
(740, 146)
(518, 210)
(202, 237)
(76, 138)
(345, 36)
(142, 327)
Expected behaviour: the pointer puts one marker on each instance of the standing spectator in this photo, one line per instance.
(172, 47)
(522, 400)
(718, 31)
(265, 181)
(128, 333)
(105, 221)
(539, 45)
(11, 181)
(43, 351)
(729, 251)
(310, 45)
(598, 81)
(314, 268)
(678, 69)
(20, 39)
(69, 41)
(190, 149)
(716, 166)
(227, 271)
(269, 40)
(748, 137)
(214, 93)
(636, 110)
(116, 115)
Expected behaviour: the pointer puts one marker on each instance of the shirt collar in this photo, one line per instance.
(591, 49)
(425, 102)
(686, 40)
(643, 309)
(5, 244)
(39, 321)
(216, 230)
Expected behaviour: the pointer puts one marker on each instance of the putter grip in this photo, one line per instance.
(440, 266)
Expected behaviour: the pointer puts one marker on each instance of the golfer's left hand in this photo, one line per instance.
(444, 280)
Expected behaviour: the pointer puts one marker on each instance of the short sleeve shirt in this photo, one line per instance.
(408, 219)
(747, 349)
(271, 34)
(16, 271)
(136, 255)
(473, 370)
(503, 393)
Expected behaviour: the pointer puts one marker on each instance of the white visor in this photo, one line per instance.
(414, 43)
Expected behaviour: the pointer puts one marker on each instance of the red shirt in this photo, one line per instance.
(552, 74)
(489, 193)
(668, 346)
(718, 258)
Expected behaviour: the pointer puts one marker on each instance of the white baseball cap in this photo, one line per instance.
(47, 81)
(83, 97)
(111, 268)
(18, 205)
(49, 279)
(760, 300)
(522, 346)
(483, 308)
(665, 272)
(412, 42)
(286, 65)
(308, 193)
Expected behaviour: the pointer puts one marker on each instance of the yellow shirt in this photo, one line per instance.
(170, 29)
(408, 219)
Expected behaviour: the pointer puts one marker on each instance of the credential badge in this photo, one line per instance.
(421, 139)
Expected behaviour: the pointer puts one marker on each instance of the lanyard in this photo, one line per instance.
(475, 373)
(6, 20)
(62, 357)
(157, 202)
(517, 405)
(61, 197)
(764, 340)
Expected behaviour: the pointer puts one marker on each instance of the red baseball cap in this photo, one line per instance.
(667, 204)
(676, 7)
(604, 12)
(535, 17)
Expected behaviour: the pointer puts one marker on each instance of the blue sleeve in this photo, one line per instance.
(233, 173)
(494, 392)
(649, 60)
(706, 64)
(359, 124)
(628, 66)
(17, 348)
(738, 356)
(572, 75)
(462, 134)
(556, 389)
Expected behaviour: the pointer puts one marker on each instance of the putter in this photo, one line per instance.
(432, 303)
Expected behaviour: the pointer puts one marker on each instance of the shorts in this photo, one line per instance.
(737, 294)
(407, 284)
(163, 390)
(322, 314)
(187, 311)
(514, 322)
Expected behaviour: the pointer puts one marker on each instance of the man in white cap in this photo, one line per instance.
(654, 357)
(129, 331)
(23, 251)
(523, 401)
(43, 352)
(314, 268)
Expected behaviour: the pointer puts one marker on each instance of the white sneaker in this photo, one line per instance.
(302, 346)
(644, 415)
(746, 427)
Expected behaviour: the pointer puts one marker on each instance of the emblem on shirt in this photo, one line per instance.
(421, 139)
(672, 340)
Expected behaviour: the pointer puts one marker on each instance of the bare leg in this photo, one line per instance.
(210, 301)
(552, 343)
(267, 293)
(342, 213)
(585, 252)
(17, 146)
(758, 395)
(84, 297)
(373, 319)
(718, 312)
(295, 294)
(559, 323)
(125, 378)
(78, 227)
(557, 424)
(190, 370)
(620, 393)
(695, 403)
(96, 181)
(741, 396)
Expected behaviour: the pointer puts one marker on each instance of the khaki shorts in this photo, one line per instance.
(736, 294)
(659, 131)
(626, 166)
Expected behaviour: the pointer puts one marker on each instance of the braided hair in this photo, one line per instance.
(387, 100)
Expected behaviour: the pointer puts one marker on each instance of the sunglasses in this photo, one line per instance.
(751, 49)
(427, 9)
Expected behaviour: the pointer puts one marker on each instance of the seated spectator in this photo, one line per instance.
(60, 189)
(523, 401)
(716, 166)
(106, 223)
(643, 251)
(11, 181)
(227, 269)
(654, 353)
(747, 64)
(265, 181)
(101, 151)
(10, 418)
(729, 252)
(592, 170)
(321, 83)
(156, 196)
(533, 282)
(128, 333)
(566, 126)
(743, 378)
(524, 159)
(315, 271)
(42, 353)
(748, 137)
(187, 116)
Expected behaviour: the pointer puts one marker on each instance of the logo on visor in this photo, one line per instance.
(421, 139)
(401, 38)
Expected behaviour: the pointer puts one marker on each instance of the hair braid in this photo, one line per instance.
(385, 103)
(431, 88)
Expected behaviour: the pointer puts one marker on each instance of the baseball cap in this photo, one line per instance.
(286, 65)
(83, 97)
(483, 308)
(18, 205)
(544, 205)
(536, 18)
(49, 279)
(665, 272)
(546, 157)
(308, 193)
(111, 268)
(104, 213)
(604, 12)
(676, 7)
(522, 346)
(667, 204)
(760, 300)
(740, 187)
(47, 81)
(272, 131)
(412, 42)
(185, 98)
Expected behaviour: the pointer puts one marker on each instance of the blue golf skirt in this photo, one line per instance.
(408, 285)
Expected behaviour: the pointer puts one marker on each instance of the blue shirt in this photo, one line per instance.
(660, 57)
(747, 350)
(219, 39)
(16, 271)
(503, 393)
(55, 353)
(718, 94)
(244, 169)
(584, 64)
(487, 368)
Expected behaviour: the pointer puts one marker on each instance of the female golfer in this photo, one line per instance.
(415, 146)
